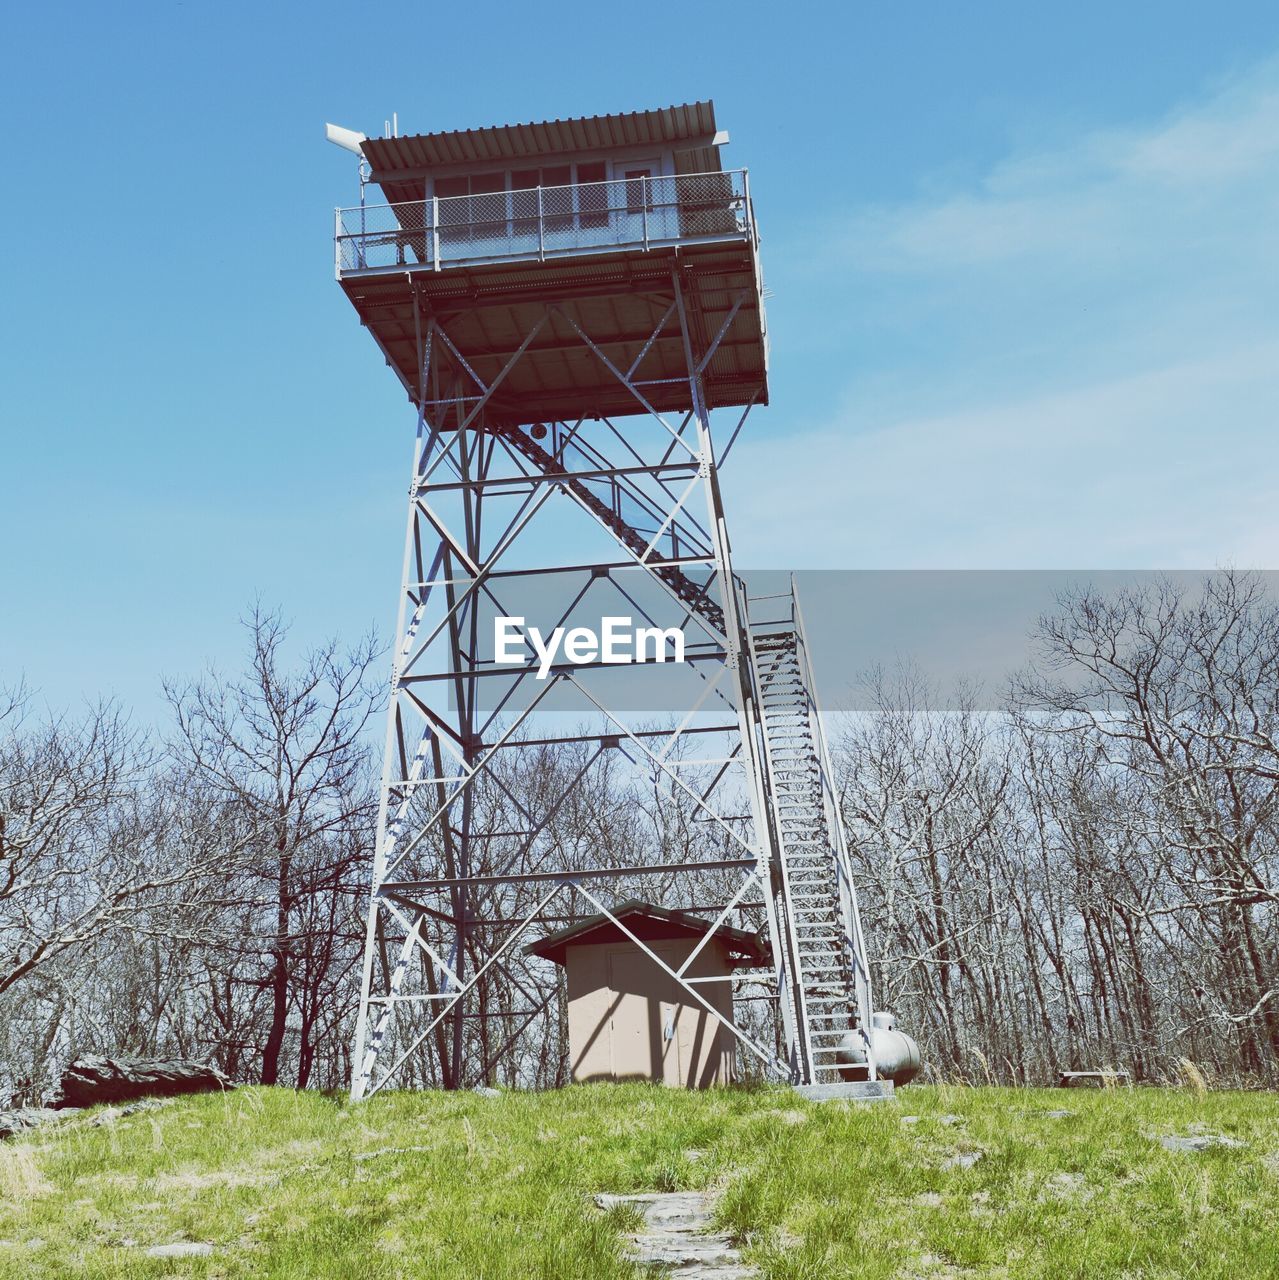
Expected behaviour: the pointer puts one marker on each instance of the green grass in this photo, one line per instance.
(480, 1189)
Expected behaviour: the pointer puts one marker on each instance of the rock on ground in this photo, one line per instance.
(109, 1115)
(677, 1235)
(1197, 1141)
(96, 1079)
(25, 1118)
(386, 1151)
(962, 1160)
(19, 1121)
(179, 1251)
(1068, 1186)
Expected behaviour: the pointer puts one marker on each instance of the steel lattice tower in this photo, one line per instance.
(571, 307)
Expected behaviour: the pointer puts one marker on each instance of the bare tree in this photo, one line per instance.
(1088, 877)
(1180, 693)
(79, 855)
(287, 750)
(924, 796)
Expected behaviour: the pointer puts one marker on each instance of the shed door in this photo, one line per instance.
(657, 1031)
(644, 1032)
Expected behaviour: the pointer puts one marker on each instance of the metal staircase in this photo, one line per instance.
(821, 920)
(612, 517)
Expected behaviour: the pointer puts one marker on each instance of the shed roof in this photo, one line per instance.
(409, 157)
(651, 923)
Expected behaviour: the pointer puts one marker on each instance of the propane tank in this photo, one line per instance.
(896, 1054)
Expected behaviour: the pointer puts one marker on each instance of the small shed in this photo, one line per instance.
(628, 1019)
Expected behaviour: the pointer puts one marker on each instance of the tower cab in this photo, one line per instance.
(581, 232)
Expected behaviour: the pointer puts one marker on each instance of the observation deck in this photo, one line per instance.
(497, 248)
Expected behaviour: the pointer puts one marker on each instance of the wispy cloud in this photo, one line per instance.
(1082, 361)
(1188, 184)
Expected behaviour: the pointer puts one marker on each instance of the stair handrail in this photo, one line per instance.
(835, 823)
(795, 989)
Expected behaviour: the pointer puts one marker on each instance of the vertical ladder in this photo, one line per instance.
(819, 905)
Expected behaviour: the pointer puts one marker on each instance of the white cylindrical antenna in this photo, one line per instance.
(347, 139)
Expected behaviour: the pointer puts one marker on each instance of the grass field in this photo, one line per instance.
(474, 1188)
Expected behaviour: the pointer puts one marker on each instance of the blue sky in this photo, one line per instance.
(1022, 263)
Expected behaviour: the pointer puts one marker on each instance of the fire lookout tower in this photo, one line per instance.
(570, 307)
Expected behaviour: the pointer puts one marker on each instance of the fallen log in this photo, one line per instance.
(95, 1079)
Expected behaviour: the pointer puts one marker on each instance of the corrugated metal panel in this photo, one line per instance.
(492, 310)
(581, 133)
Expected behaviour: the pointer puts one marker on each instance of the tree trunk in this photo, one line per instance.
(279, 980)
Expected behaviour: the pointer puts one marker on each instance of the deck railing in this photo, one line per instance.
(545, 222)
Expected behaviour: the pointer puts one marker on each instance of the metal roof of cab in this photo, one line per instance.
(649, 923)
(410, 157)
